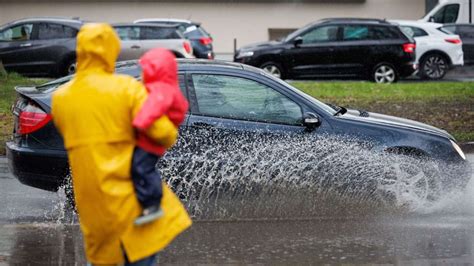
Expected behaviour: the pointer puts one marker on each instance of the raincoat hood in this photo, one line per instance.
(159, 69)
(98, 47)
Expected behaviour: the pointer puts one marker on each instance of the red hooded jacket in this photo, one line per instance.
(160, 76)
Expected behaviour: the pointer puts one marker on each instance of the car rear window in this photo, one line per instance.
(384, 33)
(195, 32)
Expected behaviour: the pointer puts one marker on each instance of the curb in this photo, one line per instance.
(4, 171)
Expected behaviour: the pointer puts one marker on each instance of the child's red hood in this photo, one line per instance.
(159, 66)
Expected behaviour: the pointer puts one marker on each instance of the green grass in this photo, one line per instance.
(447, 105)
(369, 92)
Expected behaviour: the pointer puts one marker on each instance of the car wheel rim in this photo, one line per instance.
(411, 184)
(71, 69)
(384, 74)
(435, 67)
(273, 70)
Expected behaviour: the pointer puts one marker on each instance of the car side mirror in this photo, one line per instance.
(297, 41)
(311, 121)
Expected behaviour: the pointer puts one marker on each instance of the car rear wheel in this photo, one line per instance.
(434, 66)
(68, 68)
(384, 73)
(273, 69)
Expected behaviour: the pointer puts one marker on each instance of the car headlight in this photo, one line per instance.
(458, 149)
(245, 54)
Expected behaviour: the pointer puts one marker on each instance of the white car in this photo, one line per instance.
(436, 50)
(136, 39)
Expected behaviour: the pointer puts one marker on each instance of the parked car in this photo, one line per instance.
(436, 50)
(200, 39)
(233, 102)
(466, 32)
(40, 46)
(451, 11)
(369, 48)
(136, 39)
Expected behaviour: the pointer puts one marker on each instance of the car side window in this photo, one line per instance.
(447, 14)
(383, 33)
(243, 99)
(48, 31)
(17, 33)
(355, 33)
(321, 34)
(128, 33)
(414, 31)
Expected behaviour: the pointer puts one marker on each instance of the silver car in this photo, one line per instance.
(136, 39)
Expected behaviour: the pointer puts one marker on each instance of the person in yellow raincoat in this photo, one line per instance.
(94, 113)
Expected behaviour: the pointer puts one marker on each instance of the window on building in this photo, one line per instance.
(243, 99)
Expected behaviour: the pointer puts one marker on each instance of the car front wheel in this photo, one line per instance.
(433, 67)
(273, 69)
(384, 73)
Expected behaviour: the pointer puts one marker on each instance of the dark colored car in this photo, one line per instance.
(466, 32)
(243, 113)
(200, 39)
(374, 49)
(40, 46)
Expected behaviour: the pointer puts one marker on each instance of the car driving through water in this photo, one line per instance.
(234, 107)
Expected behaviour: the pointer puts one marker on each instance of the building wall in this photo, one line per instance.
(248, 22)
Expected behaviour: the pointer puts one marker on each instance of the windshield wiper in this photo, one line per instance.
(341, 111)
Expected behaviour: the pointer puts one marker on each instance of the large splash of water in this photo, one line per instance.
(268, 177)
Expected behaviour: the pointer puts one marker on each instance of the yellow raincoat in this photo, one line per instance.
(94, 113)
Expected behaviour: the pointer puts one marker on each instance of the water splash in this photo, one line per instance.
(268, 177)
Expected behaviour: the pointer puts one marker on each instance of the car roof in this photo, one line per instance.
(63, 20)
(191, 64)
(128, 24)
(354, 20)
(415, 23)
(165, 20)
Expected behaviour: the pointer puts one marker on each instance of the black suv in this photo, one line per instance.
(200, 39)
(40, 46)
(339, 47)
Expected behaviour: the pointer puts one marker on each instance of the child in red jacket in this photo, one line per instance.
(159, 73)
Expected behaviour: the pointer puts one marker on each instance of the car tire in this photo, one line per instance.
(68, 67)
(410, 182)
(274, 69)
(433, 67)
(384, 73)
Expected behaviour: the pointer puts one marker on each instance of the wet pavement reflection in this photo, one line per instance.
(34, 230)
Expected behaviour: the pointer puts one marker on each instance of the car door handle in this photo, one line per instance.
(202, 125)
(25, 44)
(135, 47)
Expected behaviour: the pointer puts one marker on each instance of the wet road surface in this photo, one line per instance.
(34, 230)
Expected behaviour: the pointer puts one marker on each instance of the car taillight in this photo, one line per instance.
(205, 40)
(187, 47)
(32, 118)
(409, 48)
(453, 40)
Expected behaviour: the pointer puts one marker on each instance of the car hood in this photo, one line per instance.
(256, 46)
(394, 121)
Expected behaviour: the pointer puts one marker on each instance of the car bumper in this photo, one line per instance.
(407, 70)
(44, 169)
